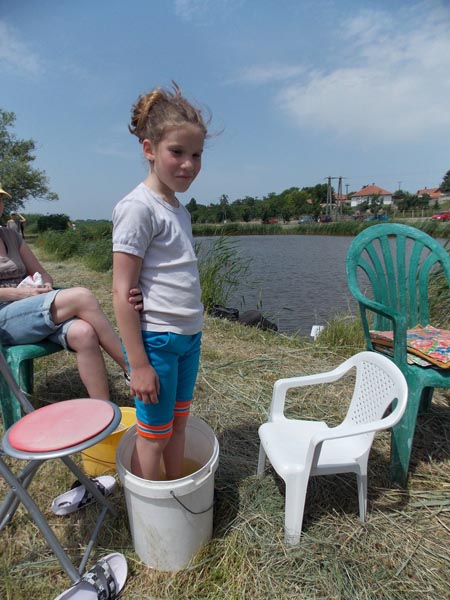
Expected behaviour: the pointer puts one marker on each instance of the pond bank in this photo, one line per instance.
(350, 228)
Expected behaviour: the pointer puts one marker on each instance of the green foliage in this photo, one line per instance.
(343, 333)
(230, 229)
(445, 185)
(53, 222)
(222, 269)
(95, 230)
(17, 175)
(439, 295)
(98, 255)
(60, 245)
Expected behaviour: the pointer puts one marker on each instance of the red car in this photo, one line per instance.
(443, 215)
(324, 219)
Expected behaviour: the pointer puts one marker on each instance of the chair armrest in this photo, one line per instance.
(346, 430)
(281, 386)
(380, 309)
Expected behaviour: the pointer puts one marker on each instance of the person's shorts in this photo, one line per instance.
(29, 320)
(175, 359)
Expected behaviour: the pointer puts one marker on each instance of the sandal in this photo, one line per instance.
(79, 497)
(104, 581)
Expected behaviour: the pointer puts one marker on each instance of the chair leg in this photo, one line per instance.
(40, 521)
(402, 438)
(11, 410)
(11, 500)
(362, 494)
(261, 460)
(296, 487)
(22, 371)
(425, 400)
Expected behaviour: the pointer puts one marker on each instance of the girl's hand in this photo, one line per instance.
(144, 384)
(136, 299)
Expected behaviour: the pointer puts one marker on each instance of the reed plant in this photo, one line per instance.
(222, 270)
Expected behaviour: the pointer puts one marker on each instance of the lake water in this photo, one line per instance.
(297, 281)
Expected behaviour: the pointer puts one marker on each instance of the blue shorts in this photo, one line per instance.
(175, 359)
(29, 320)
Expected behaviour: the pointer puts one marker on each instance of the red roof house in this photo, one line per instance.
(434, 193)
(368, 192)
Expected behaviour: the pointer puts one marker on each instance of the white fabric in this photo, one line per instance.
(161, 235)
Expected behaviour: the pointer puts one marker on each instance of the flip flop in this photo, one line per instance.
(103, 582)
(79, 497)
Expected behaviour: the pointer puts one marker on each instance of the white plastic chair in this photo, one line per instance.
(299, 449)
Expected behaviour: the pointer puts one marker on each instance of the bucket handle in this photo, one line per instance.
(200, 512)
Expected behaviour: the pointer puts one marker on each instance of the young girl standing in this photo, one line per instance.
(153, 249)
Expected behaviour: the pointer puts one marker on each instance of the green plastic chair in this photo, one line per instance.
(20, 361)
(388, 272)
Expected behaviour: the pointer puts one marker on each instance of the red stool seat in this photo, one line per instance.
(60, 425)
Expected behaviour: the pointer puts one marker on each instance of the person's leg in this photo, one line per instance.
(173, 452)
(80, 302)
(146, 457)
(82, 339)
(155, 421)
(188, 363)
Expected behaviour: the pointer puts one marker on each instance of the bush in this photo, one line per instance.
(98, 256)
(60, 245)
(54, 222)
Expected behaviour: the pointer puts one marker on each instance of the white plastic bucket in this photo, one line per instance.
(171, 520)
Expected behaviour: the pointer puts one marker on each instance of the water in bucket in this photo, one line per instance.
(189, 467)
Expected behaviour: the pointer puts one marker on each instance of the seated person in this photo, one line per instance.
(69, 317)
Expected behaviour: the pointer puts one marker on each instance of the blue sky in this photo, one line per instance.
(298, 90)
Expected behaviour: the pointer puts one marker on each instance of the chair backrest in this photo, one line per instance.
(392, 264)
(379, 382)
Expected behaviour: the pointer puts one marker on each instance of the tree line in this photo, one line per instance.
(24, 182)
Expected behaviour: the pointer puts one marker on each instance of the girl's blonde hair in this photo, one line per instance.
(162, 109)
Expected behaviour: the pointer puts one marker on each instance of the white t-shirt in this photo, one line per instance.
(147, 226)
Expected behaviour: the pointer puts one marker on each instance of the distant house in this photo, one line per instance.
(434, 193)
(368, 192)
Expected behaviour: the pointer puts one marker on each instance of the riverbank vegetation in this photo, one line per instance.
(401, 552)
(344, 228)
(90, 242)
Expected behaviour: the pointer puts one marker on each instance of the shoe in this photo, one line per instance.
(105, 580)
(79, 497)
(127, 377)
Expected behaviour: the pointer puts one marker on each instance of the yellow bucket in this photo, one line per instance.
(101, 458)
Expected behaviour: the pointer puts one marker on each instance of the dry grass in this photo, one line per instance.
(402, 551)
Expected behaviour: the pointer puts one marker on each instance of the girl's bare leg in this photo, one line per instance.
(146, 458)
(82, 338)
(174, 451)
(80, 302)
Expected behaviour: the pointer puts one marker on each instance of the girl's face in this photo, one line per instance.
(176, 160)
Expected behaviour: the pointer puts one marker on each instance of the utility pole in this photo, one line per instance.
(340, 194)
(329, 194)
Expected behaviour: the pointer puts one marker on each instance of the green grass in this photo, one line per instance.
(400, 553)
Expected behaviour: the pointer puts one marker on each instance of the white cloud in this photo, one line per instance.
(15, 54)
(394, 84)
